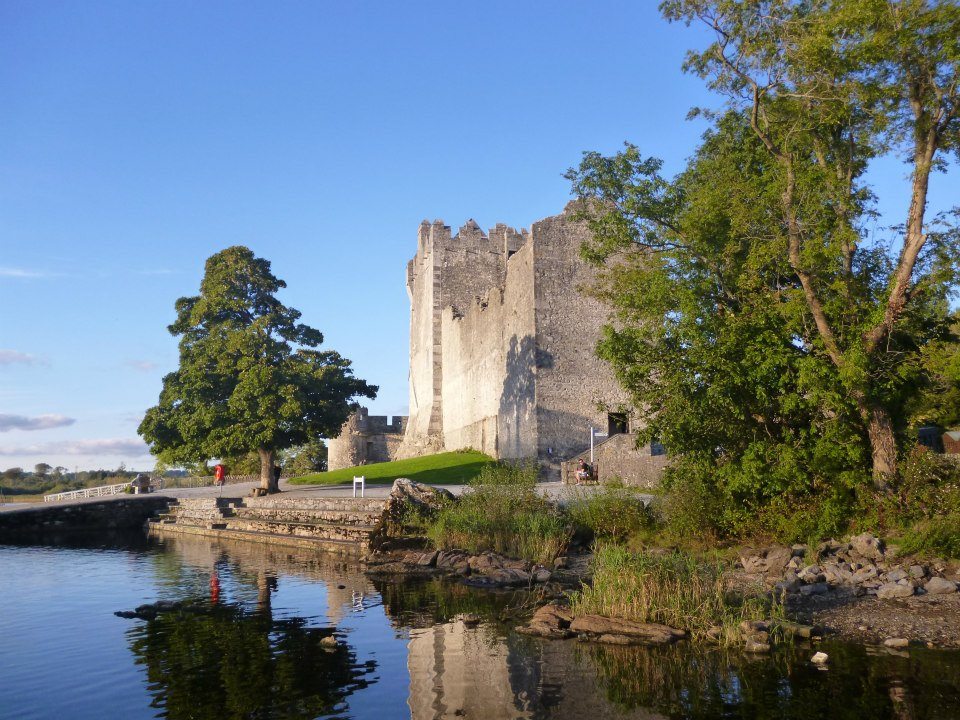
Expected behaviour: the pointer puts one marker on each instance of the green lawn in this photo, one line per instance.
(443, 469)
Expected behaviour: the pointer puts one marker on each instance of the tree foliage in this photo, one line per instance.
(250, 377)
(770, 334)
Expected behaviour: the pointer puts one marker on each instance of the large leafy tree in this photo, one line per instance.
(250, 376)
(828, 85)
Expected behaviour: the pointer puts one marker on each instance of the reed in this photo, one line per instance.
(673, 588)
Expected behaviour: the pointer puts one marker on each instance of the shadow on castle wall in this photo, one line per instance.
(516, 431)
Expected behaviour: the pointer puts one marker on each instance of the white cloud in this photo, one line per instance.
(39, 422)
(106, 446)
(12, 357)
(23, 273)
(141, 365)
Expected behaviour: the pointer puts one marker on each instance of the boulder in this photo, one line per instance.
(428, 559)
(890, 591)
(776, 559)
(455, 561)
(755, 646)
(867, 545)
(896, 643)
(647, 633)
(940, 586)
(551, 621)
(503, 577)
(406, 493)
(485, 563)
(789, 584)
(917, 571)
(896, 575)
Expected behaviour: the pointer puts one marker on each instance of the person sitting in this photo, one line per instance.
(584, 472)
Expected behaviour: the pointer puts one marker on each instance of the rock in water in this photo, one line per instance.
(549, 621)
(820, 658)
(897, 643)
(648, 633)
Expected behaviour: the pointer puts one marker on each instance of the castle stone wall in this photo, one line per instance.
(502, 343)
(365, 439)
(575, 388)
(484, 406)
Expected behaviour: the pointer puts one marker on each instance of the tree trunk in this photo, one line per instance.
(883, 446)
(267, 481)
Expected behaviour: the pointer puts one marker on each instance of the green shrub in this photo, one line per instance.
(502, 513)
(612, 513)
(506, 474)
(935, 536)
(674, 589)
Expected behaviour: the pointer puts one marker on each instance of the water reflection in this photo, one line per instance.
(228, 662)
(252, 642)
(227, 655)
(464, 669)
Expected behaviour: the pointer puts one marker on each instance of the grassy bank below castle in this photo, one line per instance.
(452, 468)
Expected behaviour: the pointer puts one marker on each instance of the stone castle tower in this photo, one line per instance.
(502, 343)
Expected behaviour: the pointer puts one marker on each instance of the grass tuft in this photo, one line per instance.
(673, 589)
(502, 513)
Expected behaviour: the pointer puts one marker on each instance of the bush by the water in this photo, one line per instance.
(612, 513)
(673, 588)
(503, 513)
(921, 508)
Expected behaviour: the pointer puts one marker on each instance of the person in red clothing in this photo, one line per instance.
(218, 475)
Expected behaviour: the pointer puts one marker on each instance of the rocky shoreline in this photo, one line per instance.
(858, 590)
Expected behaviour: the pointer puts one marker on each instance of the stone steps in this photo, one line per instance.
(338, 523)
(308, 515)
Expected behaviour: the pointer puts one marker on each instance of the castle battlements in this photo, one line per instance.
(470, 244)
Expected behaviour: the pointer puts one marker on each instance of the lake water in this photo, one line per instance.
(251, 646)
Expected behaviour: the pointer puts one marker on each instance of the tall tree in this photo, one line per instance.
(250, 376)
(828, 85)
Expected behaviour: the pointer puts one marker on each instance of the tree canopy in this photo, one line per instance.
(250, 377)
(771, 334)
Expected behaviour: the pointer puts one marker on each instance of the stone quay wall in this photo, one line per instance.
(119, 513)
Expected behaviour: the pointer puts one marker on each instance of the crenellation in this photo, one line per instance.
(502, 344)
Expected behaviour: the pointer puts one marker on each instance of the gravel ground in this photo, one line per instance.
(928, 619)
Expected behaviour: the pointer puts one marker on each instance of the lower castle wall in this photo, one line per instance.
(488, 364)
(620, 459)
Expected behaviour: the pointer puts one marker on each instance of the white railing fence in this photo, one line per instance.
(156, 483)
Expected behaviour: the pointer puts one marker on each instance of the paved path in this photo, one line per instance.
(553, 490)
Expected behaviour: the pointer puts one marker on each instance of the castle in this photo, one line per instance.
(501, 348)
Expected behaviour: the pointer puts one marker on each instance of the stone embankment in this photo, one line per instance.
(349, 525)
(98, 516)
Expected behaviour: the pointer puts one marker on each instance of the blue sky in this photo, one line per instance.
(137, 139)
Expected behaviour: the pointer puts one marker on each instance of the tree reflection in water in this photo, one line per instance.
(224, 662)
(692, 682)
